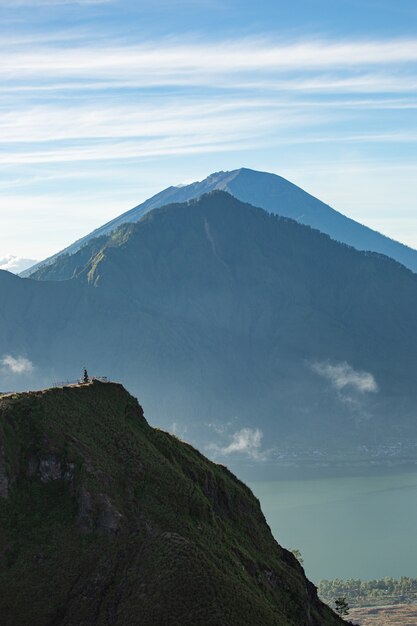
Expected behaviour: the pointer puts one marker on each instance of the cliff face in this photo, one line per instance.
(107, 521)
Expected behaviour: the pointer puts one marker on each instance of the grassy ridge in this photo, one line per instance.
(108, 521)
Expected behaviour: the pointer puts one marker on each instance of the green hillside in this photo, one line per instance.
(106, 521)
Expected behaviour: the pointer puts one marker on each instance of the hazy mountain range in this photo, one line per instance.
(252, 335)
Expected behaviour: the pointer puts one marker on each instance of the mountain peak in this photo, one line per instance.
(267, 191)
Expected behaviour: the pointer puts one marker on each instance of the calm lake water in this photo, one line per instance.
(361, 527)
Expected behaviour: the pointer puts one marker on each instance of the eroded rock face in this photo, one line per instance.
(50, 468)
(97, 513)
(4, 480)
(109, 519)
(85, 516)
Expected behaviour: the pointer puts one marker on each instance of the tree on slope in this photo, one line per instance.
(342, 607)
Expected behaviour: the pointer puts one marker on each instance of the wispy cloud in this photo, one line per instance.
(79, 98)
(254, 88)
(17, 365)
(182, 63)
(159, 119)
(342, 375)
(246, 442)
(82, 133)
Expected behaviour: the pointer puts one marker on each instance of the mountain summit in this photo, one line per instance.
(267, 191)
(105, 521)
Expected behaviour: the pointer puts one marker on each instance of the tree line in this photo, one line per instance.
(361, 592)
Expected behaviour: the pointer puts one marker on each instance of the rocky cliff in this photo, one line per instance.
(107, 521)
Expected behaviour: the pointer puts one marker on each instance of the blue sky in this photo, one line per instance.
(105, 103)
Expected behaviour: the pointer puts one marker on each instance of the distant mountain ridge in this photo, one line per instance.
(270, 341)
(267, 191)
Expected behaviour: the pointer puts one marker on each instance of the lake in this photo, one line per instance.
(357, 527)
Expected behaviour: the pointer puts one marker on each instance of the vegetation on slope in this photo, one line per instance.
(104, 520)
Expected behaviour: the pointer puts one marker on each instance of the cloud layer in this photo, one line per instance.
(179, 63)
(70, 97)
(258, 91)
(342, 375)
(15, 264)
(124, 101)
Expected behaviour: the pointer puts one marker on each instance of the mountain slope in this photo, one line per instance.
(105, 521)
(279, 196)
(259, 338)
(268, 191)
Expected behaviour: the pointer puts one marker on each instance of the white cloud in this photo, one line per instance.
(161, 119)
(257, 88)
(17, 365)
(179, 63)
(247, 441)
(272, 82)
(15, 264)
(63, 134)
(342, 375)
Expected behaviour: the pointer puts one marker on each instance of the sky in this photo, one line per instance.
(105, 102)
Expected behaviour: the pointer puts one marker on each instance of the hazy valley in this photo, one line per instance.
(242, 331)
